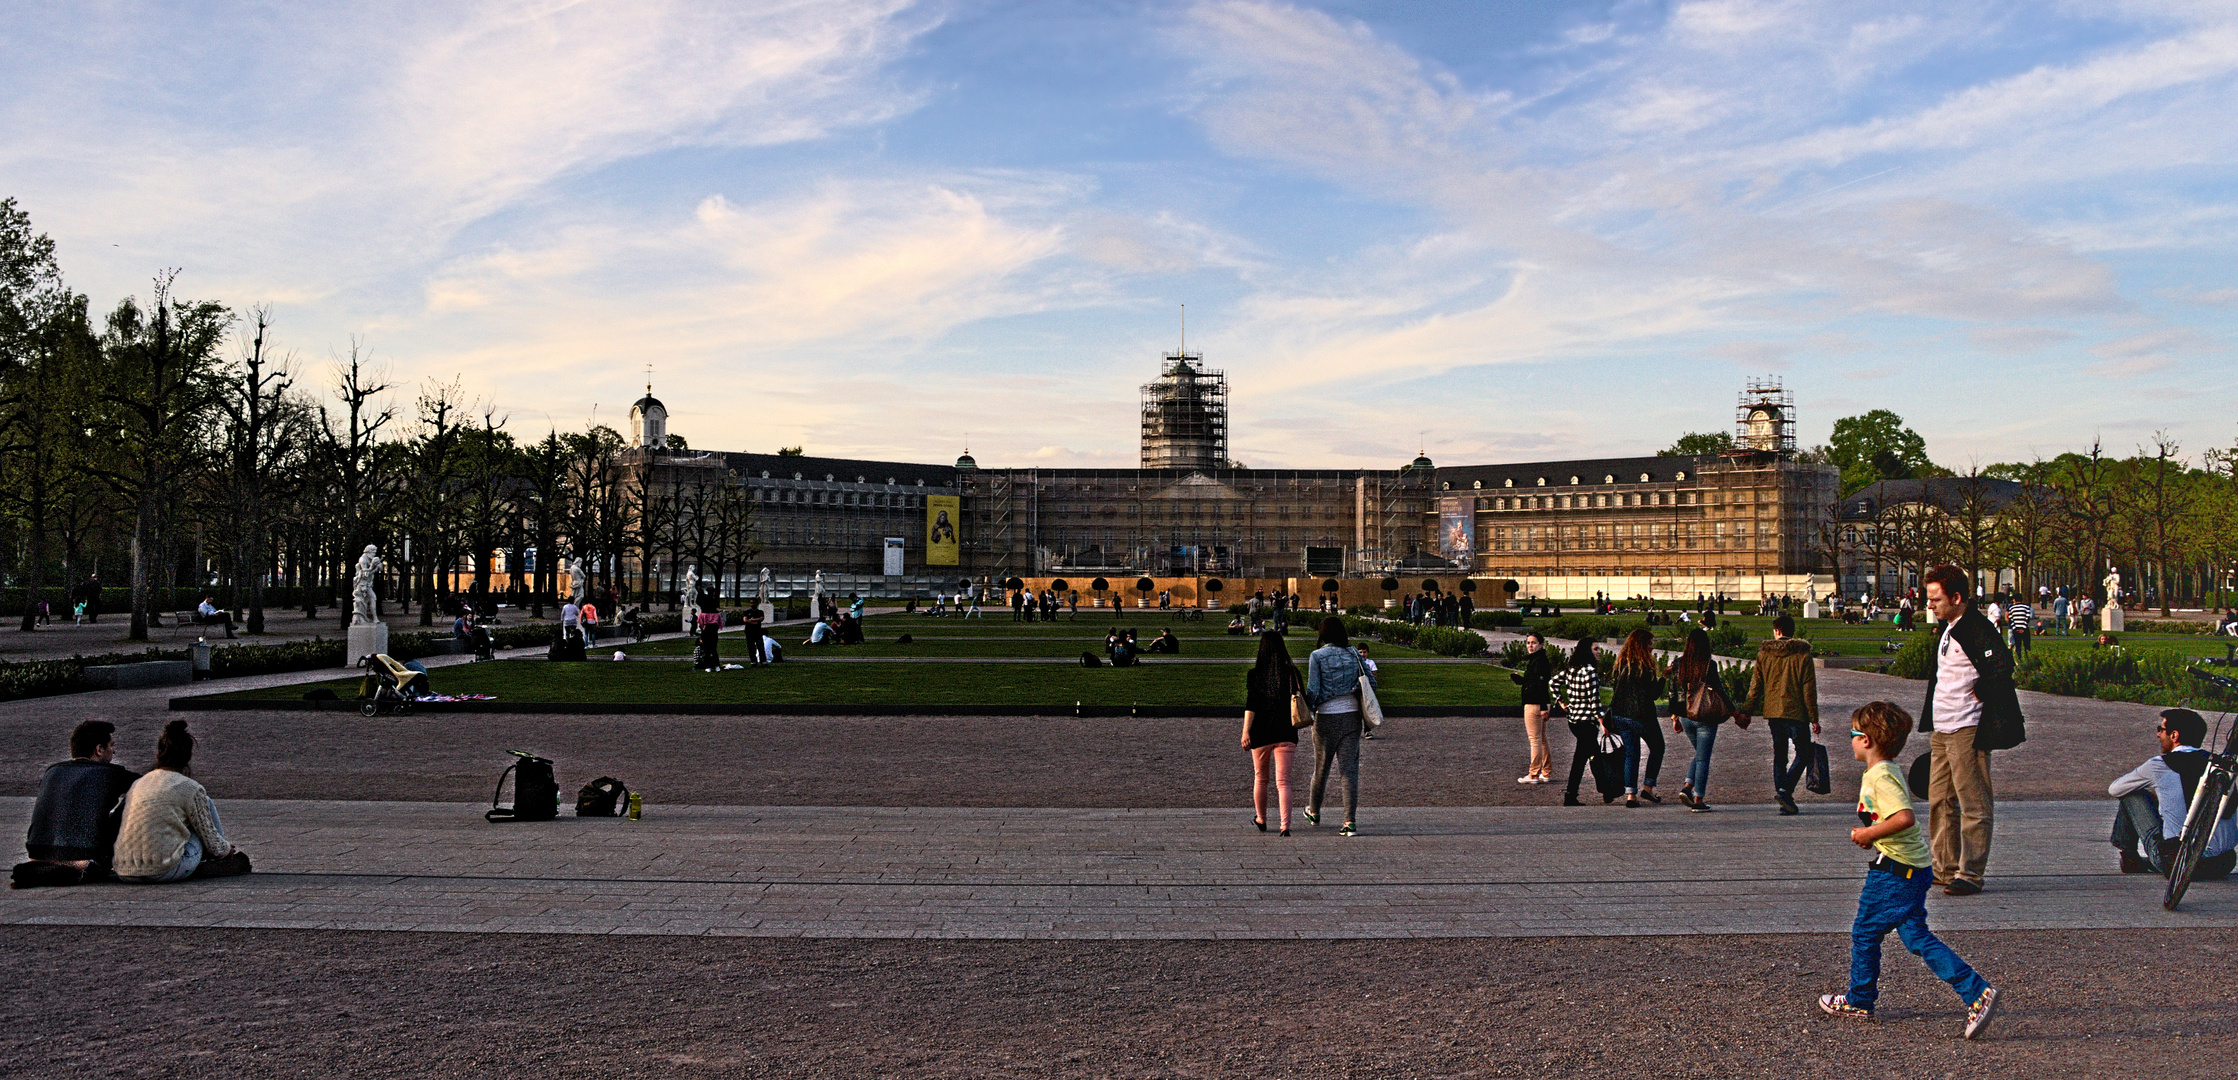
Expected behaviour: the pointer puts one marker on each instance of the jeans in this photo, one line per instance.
(188, 861)
(1336, 741)
(1786, 733)
(1634, 732)
(1704, 738)
(2136, 818)
(1894, 902)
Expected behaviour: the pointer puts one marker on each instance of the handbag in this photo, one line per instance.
(1706, 705)
(1301, 713)
(1371, 710)
(1815, 777)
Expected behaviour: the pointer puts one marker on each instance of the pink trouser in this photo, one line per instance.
(1534, 725)
(1271, 759)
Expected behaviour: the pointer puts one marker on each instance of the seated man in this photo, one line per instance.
(1165, 643)
(1236, 626)
(207, 614)
(2156, 797)
(820, 634)
(81, 801)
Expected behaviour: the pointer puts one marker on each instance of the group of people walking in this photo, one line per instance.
(1277, 696)
(1628, 731)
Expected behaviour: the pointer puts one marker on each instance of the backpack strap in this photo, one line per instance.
(494, 813)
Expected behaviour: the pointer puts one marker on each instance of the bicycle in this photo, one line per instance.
(2210, 802)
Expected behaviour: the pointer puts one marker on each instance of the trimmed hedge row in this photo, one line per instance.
(1443, 640)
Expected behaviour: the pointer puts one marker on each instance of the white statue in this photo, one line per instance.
(691, 596)
(762, 595)
(369, 566)
(816, 596)
(578, 582)
(2112, 583)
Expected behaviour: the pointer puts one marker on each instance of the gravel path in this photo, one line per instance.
(164, 1002)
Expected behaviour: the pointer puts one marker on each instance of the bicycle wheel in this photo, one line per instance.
(2206, 804)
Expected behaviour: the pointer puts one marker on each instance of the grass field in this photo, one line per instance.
(968, 638)
(904, 683)
(1831, 637)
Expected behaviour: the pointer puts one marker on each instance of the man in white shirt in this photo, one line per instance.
(571, 620)
(1971, 709)
(2156, 799)
(207, 613)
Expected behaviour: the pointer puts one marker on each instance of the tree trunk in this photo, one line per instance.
(140, 570)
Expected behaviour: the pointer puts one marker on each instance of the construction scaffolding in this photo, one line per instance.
(1764, 421)
(1185, 416)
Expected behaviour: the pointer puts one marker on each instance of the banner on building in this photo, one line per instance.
(1457, 529)
(942, 512)
(893, 556)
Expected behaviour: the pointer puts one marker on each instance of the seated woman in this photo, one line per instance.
(170, 830)
(820, 634)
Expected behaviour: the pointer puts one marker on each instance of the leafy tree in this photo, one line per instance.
(47, 348)
(1699, 444)
(1874, 447)
(789, 451)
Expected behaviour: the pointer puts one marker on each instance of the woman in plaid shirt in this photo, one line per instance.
(1578, 689)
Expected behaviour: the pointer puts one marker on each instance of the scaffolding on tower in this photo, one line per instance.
(1185, 416)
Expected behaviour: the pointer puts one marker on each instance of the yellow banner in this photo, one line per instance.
(942, 513)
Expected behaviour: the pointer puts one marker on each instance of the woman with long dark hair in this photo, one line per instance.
(1267, 733)
(1538, 671)
(1637, 687)
(1333, 675)
(1578, 688)
(171, 830)
(1696, 671)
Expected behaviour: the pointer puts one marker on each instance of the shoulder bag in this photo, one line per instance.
(1706, 705)
(1301, 713)
(1371, 710)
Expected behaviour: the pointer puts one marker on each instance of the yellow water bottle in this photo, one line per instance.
(636, 805)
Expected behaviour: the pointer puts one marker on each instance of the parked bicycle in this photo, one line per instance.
(2211, 802)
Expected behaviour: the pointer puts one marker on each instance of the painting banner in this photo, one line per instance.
(1457, 530)
(941, 514)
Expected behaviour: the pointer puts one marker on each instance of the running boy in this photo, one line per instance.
(1896, 881)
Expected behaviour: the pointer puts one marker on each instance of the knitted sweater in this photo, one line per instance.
(160, 812)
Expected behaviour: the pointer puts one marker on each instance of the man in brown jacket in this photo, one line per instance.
(1784, 691)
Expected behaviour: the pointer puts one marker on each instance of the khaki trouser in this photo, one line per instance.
(1959, 809)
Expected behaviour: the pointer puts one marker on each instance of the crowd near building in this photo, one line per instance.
(1749, 522)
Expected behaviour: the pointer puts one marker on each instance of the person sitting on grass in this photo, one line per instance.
(171, 830)
(74, 820)
(1165, 642)
(1237, 626)
(1896, 881)
(2156, 800)
(820, 634)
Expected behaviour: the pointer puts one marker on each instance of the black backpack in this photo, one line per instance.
(535, 792)
(1089, 659)
(603, 797)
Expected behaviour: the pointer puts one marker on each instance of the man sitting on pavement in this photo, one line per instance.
(74, 821)
(2156, 799)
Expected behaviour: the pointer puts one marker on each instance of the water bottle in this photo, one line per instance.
(636, 805)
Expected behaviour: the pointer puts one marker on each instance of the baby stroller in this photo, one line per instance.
(390, 685)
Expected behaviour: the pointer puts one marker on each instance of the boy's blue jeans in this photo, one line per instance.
(1894, 902)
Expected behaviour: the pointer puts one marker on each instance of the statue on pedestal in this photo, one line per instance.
(691, 596)
(2113, 621)
(816, 596)
(367, 602)
(762, 589)
(578, 582)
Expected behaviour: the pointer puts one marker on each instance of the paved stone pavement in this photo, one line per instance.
(840, 872)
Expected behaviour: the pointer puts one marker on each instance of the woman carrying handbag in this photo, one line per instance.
(1267, 726)
(1333, 675)
(1578, 689)
(1699, 706)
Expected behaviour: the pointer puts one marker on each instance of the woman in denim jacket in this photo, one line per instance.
(1333, 687)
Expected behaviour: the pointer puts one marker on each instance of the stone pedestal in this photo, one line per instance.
(2113, 619)
(1810, 609)
(373, 638)
(769, 613)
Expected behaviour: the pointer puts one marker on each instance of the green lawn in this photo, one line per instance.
(902, 683)
(1045, 640)
(1831, 637)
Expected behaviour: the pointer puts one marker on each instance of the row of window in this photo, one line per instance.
(838, 498)
(1606, 478)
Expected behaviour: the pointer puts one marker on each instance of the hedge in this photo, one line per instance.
(1443, 640)
(1496, 620)
(2145, 675)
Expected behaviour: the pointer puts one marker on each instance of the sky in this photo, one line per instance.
(888, 229)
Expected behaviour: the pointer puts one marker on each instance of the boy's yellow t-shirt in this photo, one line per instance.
(1883, 795)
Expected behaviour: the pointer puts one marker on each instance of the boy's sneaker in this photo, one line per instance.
(1838, 1005)
(1983, 1009)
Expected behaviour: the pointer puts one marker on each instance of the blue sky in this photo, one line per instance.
(874, 228)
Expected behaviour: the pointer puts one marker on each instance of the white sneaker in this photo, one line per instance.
(1526, 779)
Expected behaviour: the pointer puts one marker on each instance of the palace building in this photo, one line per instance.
(1744, 523)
